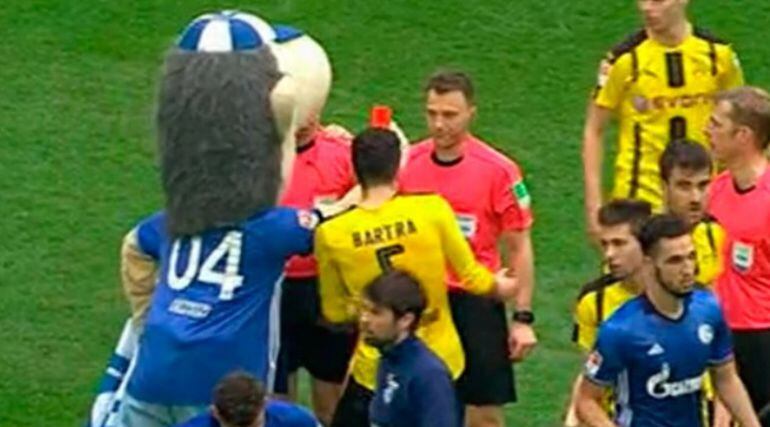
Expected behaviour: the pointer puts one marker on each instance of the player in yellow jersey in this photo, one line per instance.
(686, 170)
(659, 84)
(619, 221)
(414, 233)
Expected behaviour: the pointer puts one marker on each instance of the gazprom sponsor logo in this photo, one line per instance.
(659, 387)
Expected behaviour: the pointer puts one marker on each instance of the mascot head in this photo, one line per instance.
(234, 93)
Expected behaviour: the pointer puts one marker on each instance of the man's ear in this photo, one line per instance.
(406, 321)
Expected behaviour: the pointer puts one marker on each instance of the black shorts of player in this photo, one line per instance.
(353, 407)
(752, 356)
(305, 341)
(483, 329)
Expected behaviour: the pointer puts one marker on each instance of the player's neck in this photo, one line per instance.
(633, 283)
(672, 36)
(664, 302)
(747, 171)
(451, 152)
(377, 195)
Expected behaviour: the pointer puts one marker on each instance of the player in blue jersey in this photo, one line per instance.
(654, 350)
(239, 401)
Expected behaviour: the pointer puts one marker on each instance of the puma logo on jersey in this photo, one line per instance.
(659, 387)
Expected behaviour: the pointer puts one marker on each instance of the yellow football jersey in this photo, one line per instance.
(708, 237)
(597, 301)
(414, 233)
(660, 93)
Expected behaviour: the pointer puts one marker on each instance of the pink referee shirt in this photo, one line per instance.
(484, 188)
(744, 285)
(323, 171)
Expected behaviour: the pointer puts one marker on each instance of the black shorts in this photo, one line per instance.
(306, 342)
(353, 407)
(483, 329)
(752, 355)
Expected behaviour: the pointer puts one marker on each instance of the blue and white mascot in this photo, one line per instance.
(202, 275)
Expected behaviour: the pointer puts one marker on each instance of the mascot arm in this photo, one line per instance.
(138, 272)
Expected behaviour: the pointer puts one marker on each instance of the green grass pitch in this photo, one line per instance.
(77, 165)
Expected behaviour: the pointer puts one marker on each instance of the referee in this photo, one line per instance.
(739, 199)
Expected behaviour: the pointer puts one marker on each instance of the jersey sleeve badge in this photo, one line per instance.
(520, 192)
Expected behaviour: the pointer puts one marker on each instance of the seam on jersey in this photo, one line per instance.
(636, 162)
(713, 58)
(710, 236)
(600, 306)
(634, 65)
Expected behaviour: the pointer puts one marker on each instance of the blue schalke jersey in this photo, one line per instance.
(216, 303)
(277, 414)
(656, 364)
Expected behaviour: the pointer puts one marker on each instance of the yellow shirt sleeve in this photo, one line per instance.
(474, 277)
(334, 296)
(733, 74)
(138, 272)
(614, 77)
(586, 323)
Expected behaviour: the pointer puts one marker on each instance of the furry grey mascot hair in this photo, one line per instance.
(219, 146)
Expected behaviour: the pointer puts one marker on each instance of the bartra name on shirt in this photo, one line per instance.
(383, 233)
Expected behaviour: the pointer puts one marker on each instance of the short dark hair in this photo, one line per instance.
(625, 211)
(399, 292)
(376, 155)
(658, 227)
(445, 81)
(239, 399)
(683, 154)
(750, 108)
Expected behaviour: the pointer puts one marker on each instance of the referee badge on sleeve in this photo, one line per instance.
(520, 192)
(743, 256)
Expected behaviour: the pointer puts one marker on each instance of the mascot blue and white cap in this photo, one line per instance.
(234, 91)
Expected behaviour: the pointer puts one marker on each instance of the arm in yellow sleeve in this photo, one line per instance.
(586, 323)
(335, 300)
(733, 74)
(138, 273)
(475, 277)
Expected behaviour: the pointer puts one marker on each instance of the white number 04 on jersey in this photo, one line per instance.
(229, 280)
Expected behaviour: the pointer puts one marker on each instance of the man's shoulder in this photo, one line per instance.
(708, 36)
(721, 182)
(420, 149)
(332, 143)
(626, 315)
(596, 285)
(492, 157)
(704, 299)
(202, 420)
(626, 45)
(286, 414)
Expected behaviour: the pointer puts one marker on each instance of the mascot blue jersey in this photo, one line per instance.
(216, 304)
(656, 364)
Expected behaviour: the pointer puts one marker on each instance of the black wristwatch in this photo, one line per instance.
(523, 316)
